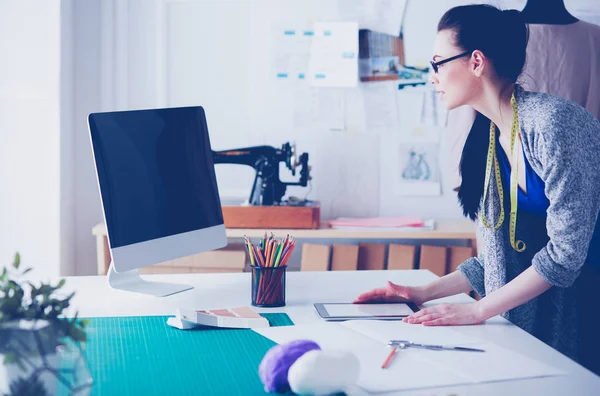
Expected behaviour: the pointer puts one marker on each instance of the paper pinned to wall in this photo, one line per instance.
(319, 108)
(381, 111)
(420, 173)
(432, 111)
(385, 16)
(333, 60)
(290, 51)
(409, 160)
(346, 166)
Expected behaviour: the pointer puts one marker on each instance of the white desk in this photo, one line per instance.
(94, 298)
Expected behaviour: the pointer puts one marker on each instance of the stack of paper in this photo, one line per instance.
(414, 368)
(382, 224)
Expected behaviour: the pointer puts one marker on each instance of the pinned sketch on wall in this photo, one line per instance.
(416, 165)
(385, 16)
(321, 108)
(333, 60)
(381, 111)
(290, 51)
(432, 111)
(419, 169)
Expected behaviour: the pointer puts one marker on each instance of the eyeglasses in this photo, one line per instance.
(435, 65)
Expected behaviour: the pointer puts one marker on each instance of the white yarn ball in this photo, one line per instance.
(320, 372)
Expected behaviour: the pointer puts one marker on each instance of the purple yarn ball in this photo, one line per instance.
(273, 370)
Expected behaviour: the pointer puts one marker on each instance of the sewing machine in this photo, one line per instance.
(268, 189)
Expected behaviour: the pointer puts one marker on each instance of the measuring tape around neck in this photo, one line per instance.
(492, 160)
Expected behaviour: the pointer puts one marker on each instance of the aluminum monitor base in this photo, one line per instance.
(131, 281)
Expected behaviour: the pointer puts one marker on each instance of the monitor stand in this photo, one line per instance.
(131, 281)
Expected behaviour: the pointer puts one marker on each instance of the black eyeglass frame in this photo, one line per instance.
(435, 65)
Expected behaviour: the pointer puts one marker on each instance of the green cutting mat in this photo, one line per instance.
(144, 356)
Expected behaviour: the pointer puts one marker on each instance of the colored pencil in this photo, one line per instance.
(278, 255)
(250, 250)
(389, 358)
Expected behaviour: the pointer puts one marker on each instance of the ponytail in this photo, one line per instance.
(472, 166)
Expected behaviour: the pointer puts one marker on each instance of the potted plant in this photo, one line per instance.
(41, 349)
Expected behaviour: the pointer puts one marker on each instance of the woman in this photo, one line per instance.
(535, 157)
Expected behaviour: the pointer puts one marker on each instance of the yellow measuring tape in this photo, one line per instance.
(492, 160)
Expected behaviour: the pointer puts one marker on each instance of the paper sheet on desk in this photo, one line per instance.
(414, 368)
(407, 371)
(495, 364)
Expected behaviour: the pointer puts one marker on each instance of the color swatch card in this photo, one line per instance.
(238, 318)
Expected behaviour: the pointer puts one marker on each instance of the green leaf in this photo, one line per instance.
(61, 283)
(17, 261)
(26, 271)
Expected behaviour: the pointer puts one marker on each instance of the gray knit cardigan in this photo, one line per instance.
(561, 141)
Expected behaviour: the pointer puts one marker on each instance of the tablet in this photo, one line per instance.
(348, 311)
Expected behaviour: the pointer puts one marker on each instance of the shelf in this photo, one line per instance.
(444, 229)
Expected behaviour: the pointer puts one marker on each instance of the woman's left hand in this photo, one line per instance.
(448, 315)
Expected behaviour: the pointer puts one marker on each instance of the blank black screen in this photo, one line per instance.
(156, 173)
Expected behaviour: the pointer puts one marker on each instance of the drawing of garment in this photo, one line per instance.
(417, 167)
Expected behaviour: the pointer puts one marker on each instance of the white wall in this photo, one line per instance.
(67, 142)
(88, 76)
(30, 127)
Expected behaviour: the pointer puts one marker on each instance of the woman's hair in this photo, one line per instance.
(502, 37)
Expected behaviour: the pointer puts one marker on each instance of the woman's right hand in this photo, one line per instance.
(393, 293)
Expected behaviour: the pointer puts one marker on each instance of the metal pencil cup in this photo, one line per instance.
(268, 286)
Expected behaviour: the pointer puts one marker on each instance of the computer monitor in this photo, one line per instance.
(158, 190)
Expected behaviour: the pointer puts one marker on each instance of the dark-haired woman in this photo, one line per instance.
(531, 177)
